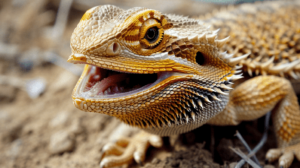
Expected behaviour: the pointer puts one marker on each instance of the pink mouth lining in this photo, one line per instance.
(106, 82)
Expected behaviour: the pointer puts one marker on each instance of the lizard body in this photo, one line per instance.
(169, 74)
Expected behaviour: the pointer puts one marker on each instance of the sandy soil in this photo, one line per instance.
(48, 131)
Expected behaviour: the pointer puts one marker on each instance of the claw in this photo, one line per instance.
(156, 141)
(285, 155)
(112, 149)
(286, 159)
(273, 154)
(124, 150)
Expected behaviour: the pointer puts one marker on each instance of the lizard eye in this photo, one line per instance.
(152, 34)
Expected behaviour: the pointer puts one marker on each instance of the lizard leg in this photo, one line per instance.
(124, 150)
(253, 99)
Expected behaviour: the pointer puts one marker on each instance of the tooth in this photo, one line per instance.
(115, 89)
(96, 77)
(105, 92)
(108, 90)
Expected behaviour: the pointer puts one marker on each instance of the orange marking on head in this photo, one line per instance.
(88, 14)
(151, 14)
(141, 19)
(132, 38)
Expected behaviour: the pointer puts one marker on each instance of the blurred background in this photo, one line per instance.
(39, 126)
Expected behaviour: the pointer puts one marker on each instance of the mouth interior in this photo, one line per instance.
(100, 81)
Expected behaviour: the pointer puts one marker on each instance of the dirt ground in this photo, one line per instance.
(48, 131)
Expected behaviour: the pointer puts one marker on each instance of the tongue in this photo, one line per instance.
(105, 83)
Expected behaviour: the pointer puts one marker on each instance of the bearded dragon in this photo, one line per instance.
(169, 74)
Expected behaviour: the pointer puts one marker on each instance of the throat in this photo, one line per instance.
(101, 82)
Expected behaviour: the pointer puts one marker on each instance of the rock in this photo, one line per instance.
(35, 87)
(7, 93)
(30, 58)
(61, 141)
(15, 148)
(76, 127)
(232, 165)
(59, 120)
(155, 161)
(4, 116)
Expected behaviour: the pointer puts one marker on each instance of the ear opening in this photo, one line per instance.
(200, 59)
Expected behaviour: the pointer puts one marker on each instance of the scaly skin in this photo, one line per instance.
(194, 75)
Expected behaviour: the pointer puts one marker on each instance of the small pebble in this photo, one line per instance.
(155, 161)
(61, 142)
(15, 148)
(76, 127)
(232, 165)
(59, 119)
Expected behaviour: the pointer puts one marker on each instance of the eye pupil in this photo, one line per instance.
(200, 58)
(152, 34)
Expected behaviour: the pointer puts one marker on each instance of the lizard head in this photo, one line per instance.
(163, 73)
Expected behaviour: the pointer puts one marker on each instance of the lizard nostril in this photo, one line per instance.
(115, 47)
(200, 58)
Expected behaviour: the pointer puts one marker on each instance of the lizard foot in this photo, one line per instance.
(124, 150)
(285, 155)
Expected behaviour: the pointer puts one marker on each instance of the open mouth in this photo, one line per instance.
(103, 83)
